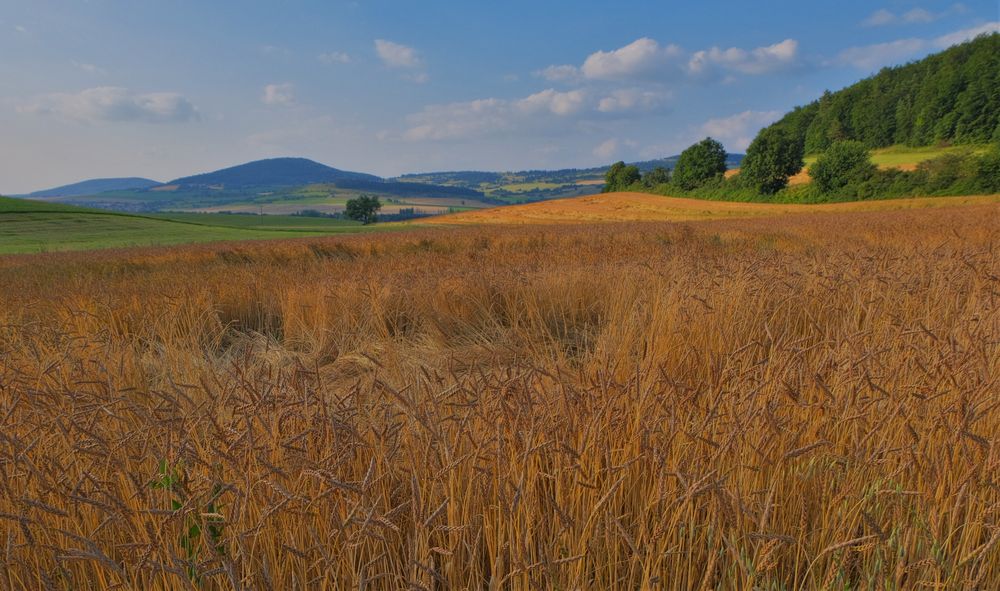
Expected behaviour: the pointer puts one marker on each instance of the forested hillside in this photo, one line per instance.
(952, 96)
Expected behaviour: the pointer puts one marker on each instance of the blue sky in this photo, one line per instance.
(158, 88)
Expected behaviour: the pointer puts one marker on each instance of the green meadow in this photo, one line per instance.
(32, 226)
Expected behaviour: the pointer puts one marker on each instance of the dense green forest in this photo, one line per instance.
(952, 96)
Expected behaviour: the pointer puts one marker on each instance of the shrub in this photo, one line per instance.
(656, 177)
(845, 163)
(363, 209)
(772, 157)
(699, 164)
(620, 177)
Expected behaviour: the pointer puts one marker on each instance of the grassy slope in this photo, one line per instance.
(30, 226)
(907, 157)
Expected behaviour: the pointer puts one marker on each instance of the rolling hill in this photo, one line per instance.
(93, 186)
(273, 172)
(287, 185)
(293, 183)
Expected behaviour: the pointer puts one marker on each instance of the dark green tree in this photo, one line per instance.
(656, 177)
(611, 177)
(620, 177)
(699, 164)
(843, 164)
(363, 209)
(773, 156)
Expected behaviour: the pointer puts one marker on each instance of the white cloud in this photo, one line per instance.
(401, 57)
(545, 112)
(334, 57)
(872, 57)
(114, 104)
(632, 99)
(493, 116)
(278, 95)
(966, 34)
(606, 149)
(879, 18)
(21, 29)
(559, 73)
(883, 17)
(459, 120)
(555, 102)
(761, 60)
(647, 59)
(737, 131)
(395, 55)
(642, 56)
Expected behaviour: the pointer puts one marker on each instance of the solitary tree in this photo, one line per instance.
(620, 177)
(773, 156)
(699, 164)
(656, 177)
(843, 163)
(363, 209)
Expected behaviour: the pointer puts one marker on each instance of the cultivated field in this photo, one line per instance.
(788, 402)
(32, 226)
(618, 207)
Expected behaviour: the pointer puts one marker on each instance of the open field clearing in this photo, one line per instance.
(901, 157)
(788, 402)
(628, 207)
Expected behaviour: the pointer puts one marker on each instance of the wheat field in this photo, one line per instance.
(800, 402)
(646, 207)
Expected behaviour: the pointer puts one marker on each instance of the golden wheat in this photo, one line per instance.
(797, 403)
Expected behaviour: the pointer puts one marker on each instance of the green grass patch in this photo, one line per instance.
(263, 222)
(33, 226)
(905, 156)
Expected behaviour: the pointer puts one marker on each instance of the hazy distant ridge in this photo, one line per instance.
(93, 186)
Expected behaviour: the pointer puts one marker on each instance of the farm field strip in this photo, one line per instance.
(619, 207)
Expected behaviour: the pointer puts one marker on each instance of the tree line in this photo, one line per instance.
(698, 165)
(844, 171)
(951, 96)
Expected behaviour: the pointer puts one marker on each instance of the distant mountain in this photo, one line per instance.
(952, 96)
(274, 172)
(94, 186)
(280, 180)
